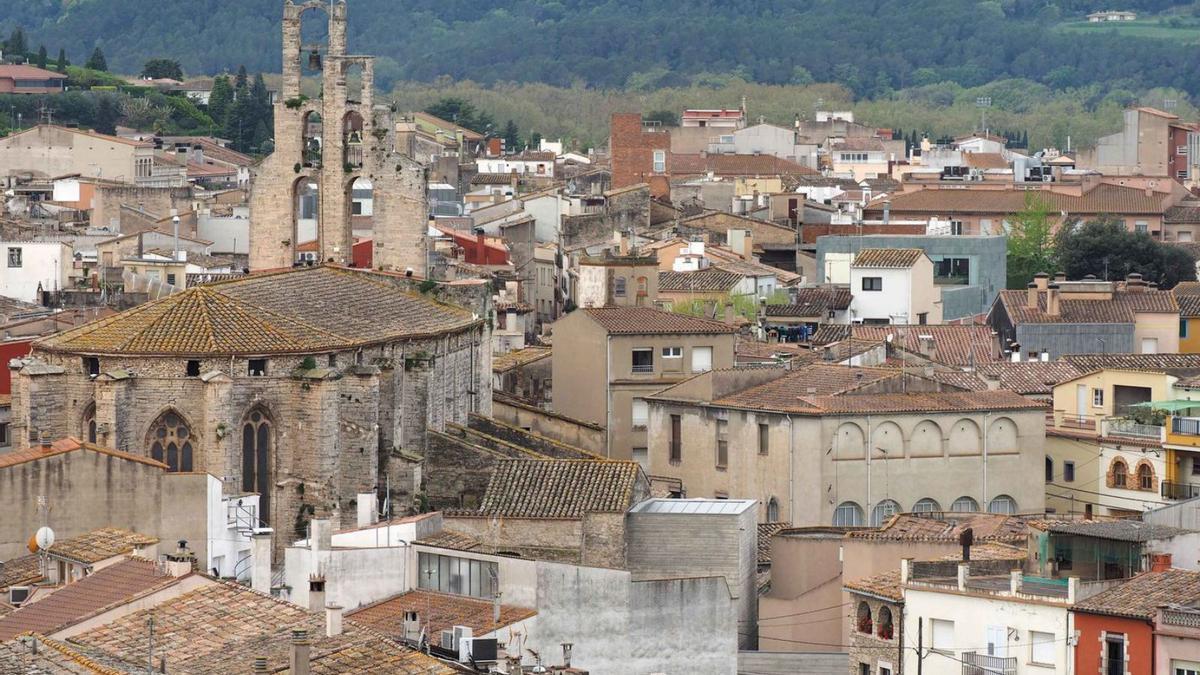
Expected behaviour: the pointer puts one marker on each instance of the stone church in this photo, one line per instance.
(327, 145)
(309, 385)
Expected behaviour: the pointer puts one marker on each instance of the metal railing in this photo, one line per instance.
(1117, 426)
(643, 367)
(984, 664)
(1185, 426)
(1180, 490)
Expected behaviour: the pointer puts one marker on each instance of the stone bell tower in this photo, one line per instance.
(301, 199)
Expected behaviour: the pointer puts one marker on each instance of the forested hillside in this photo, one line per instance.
(872, 47)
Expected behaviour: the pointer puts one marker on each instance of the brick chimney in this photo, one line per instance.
(301, 650)
(1134, 283)
(1052, 307)
(1160, 562)
(480, 246)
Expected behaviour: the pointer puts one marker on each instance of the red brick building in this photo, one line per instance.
(639, 154)
(1179, 159)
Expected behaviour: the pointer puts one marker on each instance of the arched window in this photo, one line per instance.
(864, 623)
(1145, 477)
(170, 441)
(885, 623)
(1002, 504)
(773, 510)
(926, 505)
(256, 460)
(1119, 473)
(1049, 469)
(848, 514)
(883, 511)
(965, 504)
(87, 425)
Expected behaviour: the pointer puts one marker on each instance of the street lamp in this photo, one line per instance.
(983, 103)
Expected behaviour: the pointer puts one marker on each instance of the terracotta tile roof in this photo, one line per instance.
(1186, 288)
(1104, 198)
(1149, 362)
(648, 321)
(969, 401)
(815, 301)
(452, 540)
(26, 569)
(1189, 306)
(558, 488)
(522, 357)
(1187, 211)
(222, 627)
(440, 611)
(1139, 597)
(749, 268)
(711, 279)
(259, 314)
(957, 345)
(92, 547)
(783, 393)
(962, 379)
(65, 445)
(892, 258)
(765, 532)
(1030, 377)
(747, 350)
(1121, 309)
(946, 528)
(985, 160)
(1117, 530)
(24, 72)
(859, 143)
(887, 585)
(114, 585)
(734, 165)
(58, 658)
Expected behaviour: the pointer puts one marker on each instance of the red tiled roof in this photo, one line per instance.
(784, 393)
(706, 280)
(985, 526)
(985, 160)
(1103, 198)
(1121, 309)
(897, 258)
(648, 321)
(970, 401)
(111, 586)
(25, 72)
(859, 143)
(956, 345)
(559, 488)
(438, 611)
(1140, 596)
(65, 445)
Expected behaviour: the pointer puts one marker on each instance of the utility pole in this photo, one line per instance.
(920, 645)
(983, 103)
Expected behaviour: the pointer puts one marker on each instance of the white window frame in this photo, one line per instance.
(1097, 397)
(672, 352)
(639, 422)
(697, 366)
(1043, 643)
(946, 635)
(660, 161)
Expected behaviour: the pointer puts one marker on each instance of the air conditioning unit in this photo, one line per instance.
(461, 632)
(479, 650)
(448, 641)
(17, 595)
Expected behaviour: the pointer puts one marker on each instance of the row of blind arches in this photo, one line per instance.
(850, 514)
(170, 440)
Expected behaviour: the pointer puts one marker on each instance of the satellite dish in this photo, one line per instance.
(44, 539)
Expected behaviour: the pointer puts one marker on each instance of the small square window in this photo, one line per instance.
(672, 352)
(257, 367)
(193, 369)
(14, 256)
(872, 283)
(1069, 471)
(170, 279)
(91, 365)
(1097, 398)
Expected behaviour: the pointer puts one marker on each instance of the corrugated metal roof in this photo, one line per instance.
(708, 507)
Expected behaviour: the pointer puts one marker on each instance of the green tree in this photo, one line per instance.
(61, 64)
(1106, 249)
(667, 118)
(512, 136)
(243, 79)
(219, 101)
(264, 115)
(162, 68)
(108, 111)
(460, 112)
(1030, 242)
(16, 43)
(41, 57)
(241, 121)
(96, 61)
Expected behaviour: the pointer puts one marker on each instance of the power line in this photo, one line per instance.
(809, 611)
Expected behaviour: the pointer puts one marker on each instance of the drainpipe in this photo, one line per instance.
(870, 511)
(984, 506)
(608, 397)
(792, 472)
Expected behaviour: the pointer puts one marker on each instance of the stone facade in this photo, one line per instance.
(870, 644)
(356, 140)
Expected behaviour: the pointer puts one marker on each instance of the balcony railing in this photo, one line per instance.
(983, 664)
(643, 367)
(1119, 426)
(1185, 426)
(1180, 490)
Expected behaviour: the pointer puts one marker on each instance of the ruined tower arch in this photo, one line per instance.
(356, 140)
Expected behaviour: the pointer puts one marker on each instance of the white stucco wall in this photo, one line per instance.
(894, 299)
(44, 263)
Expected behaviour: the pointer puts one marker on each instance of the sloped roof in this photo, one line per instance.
(557, 488)
(54, 657)
(307, 309)
(783, 393)
(521, 357)
(1118, 530)
(26, 72)
(1189, 306)
(1030, 377)
(946, 528)
(1150, 362)
(1103, 198)
(887, 585)
(1139, 597)
(711, 279)
(648, 321)
(895, 258)
(113, 585)
(765, 532)
(956, 345)
(102, 544)
(985, 160)
(1121, 309)
(439, 611)
(1187, 211)
(223, 627)
(814, 301)
(968, 401)
(66, 445)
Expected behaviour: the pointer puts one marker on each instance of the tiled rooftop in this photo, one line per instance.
(968, 401)
(1114, 199)
(223, 627)
(64, 446)
(887, 585)
(522, 357)
(711, 279)
(784, 392)
(555, 488)
(815, 301)
(648, 321)
(259, 314)
(1148, 362)
(986, 527)
(956, 345)
(102, 544)
(1030, 377)
(1121, 309)
(765, 532)
(439, 611)
(1140, 596)
(111, 586)
(891, 258)
(1118, 530)
(58, 658)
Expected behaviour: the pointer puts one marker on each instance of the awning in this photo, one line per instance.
(1169, 406)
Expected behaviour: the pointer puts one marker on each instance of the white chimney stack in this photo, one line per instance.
(260, 553)
(368, 509)
(333, 620)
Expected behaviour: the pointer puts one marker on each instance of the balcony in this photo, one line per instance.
(1180, 490)
(1127, 428)
(1184, 431)
(983, 664)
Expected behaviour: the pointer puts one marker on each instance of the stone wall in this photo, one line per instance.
(108, 200)
(870, 648)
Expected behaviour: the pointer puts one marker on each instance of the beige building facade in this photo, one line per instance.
(608, 361)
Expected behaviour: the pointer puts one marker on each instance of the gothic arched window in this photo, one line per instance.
(170, 441)
(256, 460)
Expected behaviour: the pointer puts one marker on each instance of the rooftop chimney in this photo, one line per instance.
(316, 592)
(730, 315)
(1052, 308)
(1031, 296)
(966, 539)
(1041, 279)
(1134, 283)
(320, 534)
(480, 246)
(260, 563)
(182, 561)
(44, 440)
(333, 620)
(1160, 562)
(301, 647)
(1060, 277)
